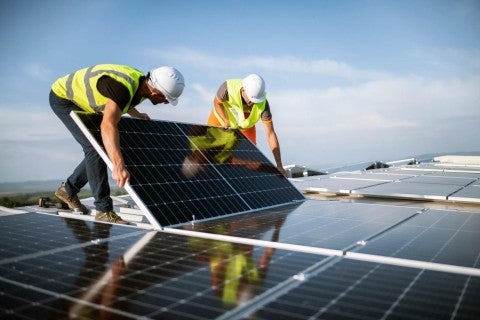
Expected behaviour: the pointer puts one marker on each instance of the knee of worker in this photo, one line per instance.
(91, 153)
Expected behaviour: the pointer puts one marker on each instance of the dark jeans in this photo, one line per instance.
(92, 169)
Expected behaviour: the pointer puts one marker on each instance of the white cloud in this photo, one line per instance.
(23, 123)
(287, 64)
(382, 119)
(383, 104)
(370, 115)
(451, 61)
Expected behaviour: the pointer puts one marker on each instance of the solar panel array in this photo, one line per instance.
(416, 182)
(315, 259)
(183, 172)
(274, 255)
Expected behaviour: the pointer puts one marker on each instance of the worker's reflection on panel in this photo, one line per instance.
(237, 270)
(235, 275)
(217, 145)
(100, 289)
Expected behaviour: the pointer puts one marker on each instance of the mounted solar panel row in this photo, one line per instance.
(181, 172)
(59, 268)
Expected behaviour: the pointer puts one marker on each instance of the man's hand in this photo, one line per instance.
(120, 175)
(218, 105)
(137, 114)
(143, 116)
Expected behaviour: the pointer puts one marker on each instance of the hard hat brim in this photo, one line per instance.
(170, 100)
(257, 100)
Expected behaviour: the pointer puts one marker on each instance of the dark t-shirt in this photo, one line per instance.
(222, 95)
(116, 91)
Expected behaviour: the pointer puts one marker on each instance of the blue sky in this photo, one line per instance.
(348, 81)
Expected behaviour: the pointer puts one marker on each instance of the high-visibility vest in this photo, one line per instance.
(220, 141)
(80, 87)
(234, 107)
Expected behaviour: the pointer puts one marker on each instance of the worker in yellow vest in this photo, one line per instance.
(241, 103)
(111, 90)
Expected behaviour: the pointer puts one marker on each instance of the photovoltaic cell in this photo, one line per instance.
(66, 268)
(325, 224)
(361, 290)
(447, 237)
(180, 172)
(165, 276)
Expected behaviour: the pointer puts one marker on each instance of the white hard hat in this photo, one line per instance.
(254, 87)
(191, 168)
(169, 81)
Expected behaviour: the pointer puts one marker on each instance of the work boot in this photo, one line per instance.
(72, 201)
(109, 216)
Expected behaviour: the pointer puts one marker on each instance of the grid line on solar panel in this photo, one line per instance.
(228, 175)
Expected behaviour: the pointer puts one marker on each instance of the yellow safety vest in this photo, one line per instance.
(234, 107)
(80, 87)
(238, 265)
(216, 139)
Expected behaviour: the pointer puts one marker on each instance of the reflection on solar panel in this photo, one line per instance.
(139, 274)
(181, 172)
(326, 224)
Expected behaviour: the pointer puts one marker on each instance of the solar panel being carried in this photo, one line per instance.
(183, 172)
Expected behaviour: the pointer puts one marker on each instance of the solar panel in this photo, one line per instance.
(313, 223)
(441, 236)
(183, 172)
(410, 190)
(416, 182)
(139, 274)
(287, 258)
(470, 193)
(362, 290)
(334, 185)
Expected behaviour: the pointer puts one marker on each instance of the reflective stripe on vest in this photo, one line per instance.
(80, 87)
(234, 107)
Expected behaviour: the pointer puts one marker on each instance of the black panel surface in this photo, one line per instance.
(59, 268)
(448, 237)
(29, 234)
(361, 290)
(168, 277)
(225, 173)
(325, 224)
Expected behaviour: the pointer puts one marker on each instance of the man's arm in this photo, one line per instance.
(274, 145)
(111, 142)
(218, 105)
